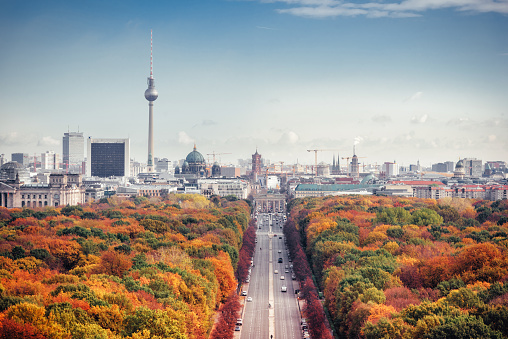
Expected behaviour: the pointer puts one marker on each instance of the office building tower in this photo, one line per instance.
(473, 167)
(50, 160)
(21, 158)
(151, 95)
(73, 150)
(108, 158)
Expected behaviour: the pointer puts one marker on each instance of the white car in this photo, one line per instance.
(249, 299)
(276, 272)
(282, 277)
(280, 251)
(244, 293)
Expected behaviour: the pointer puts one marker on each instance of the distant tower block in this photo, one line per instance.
(151, 95)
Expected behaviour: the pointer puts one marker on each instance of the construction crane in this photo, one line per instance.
(214, 154)
(320, 150)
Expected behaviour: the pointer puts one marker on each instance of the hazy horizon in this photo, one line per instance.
(404, 80)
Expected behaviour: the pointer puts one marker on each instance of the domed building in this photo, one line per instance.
(460, 171)
(194, 163)
(13, 169)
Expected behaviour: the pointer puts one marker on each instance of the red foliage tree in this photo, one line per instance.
(246, 252)
(11, 329)
(114, 263)
(228, 315)
(400, 297)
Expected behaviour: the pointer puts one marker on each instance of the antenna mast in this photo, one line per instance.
(151, 55)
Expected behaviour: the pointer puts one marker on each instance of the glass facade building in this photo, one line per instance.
(108, 158)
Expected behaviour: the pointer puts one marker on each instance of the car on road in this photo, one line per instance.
(283, 289)
(249, 299)
(244, 293)
(239, 322)
(280, 260)
(286, 271)
(237, 328)
(280, 251)
(276, 272)
(282, 277)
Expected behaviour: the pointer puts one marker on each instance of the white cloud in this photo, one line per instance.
(358, 139)
(289, 137)
(398, 9)
(416, 96)
(205, 123)
(48, 141)
(419, 120)
(381, 119)
(184, 138)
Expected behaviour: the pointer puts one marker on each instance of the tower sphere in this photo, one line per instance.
(151, 93)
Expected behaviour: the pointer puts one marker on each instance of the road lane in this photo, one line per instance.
(282, 319)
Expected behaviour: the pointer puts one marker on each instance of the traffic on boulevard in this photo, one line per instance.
(270, 305)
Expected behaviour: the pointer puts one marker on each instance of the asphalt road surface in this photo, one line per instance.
(271, 313)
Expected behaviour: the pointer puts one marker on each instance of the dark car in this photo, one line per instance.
(280, 260)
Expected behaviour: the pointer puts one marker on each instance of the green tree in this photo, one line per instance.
(426, 217)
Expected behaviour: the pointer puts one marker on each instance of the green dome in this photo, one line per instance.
(195, 157)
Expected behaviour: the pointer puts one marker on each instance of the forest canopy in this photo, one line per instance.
(133, 268)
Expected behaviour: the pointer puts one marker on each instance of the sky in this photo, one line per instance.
(403, 80)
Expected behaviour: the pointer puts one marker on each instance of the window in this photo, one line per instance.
(45, 196)
(40, 203)
(23, 203)
(34, 196)
(28, 203)
(40, 196)
(22, 196)
(45, 203)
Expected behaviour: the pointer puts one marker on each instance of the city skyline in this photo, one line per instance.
(404, 81)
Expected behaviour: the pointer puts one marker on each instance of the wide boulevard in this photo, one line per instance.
(271, 313)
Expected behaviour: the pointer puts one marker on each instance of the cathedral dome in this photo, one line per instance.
(12, 165)
(459, 164)
(195, 157)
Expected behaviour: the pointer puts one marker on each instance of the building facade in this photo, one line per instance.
(473, 167)
(63, 189)
(256, 164)
(21, 158)
(108, 158)
(73, 152)
(50, 160)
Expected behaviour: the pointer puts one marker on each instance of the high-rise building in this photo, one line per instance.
(151, 95)
(50, 160)
(108, 157)
(473, 167)
(73, 150)
(21, 158)
(440, 167)
(390, 169)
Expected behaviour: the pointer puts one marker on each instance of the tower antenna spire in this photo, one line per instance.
(151, 55)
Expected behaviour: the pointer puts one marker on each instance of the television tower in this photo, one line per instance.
(151, 95)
